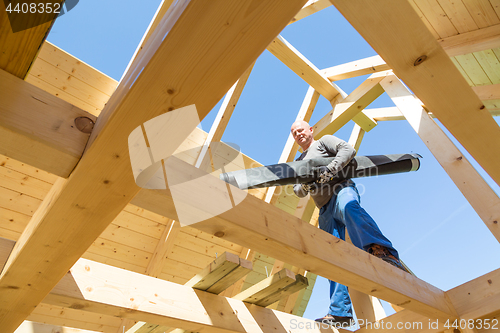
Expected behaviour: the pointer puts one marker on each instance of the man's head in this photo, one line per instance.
(302, 132)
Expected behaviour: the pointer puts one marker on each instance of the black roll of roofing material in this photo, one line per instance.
(306, 171)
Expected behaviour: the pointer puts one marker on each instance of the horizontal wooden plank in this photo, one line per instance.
(360, 67)
(202, 246)
(114, 262)
(473, 41)
(139, 224)
(180, 269)
(33, 327)
(198, 234)
(129, 237)
(146, 214)
(18, 202)
(19, 182)
(75, 67)
(488, 92)
(12, 221)
(26, 169)
(65, 316)
(119, 251)
(46, 139)
(190, 257)
(56, 77)
(63, 95)
(473, 69)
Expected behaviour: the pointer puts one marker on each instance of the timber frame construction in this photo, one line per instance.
(65, 162)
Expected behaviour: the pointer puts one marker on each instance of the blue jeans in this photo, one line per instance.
(344, 210)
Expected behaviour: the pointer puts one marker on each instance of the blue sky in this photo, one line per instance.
(438, 234)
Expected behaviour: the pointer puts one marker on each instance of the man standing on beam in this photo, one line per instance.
(339, 205)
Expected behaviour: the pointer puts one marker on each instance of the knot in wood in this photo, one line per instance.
(84, 124)
(420, 60)
(219, 234)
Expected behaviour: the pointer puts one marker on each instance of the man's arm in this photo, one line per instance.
(342, 151)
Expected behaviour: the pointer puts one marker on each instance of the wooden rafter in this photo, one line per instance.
(355, 68)
(305, 69)
(419, 60)
(152, 300)
(93, 285)
(311, 7)
(255, 224)
(222, 119)
(271, 289)
(20, 48)
(102, 185)
(477, 298)
(473, 41)
(352, 108)
(291, 147)
(474, 188)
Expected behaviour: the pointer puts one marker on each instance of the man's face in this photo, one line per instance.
(303, 134)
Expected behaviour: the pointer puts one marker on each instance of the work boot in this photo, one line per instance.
(336, 321)
(383, 253)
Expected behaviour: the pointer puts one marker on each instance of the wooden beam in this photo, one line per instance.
(474, 188)
(488, 92)
(33, 327)
(402, 322)
(273, 288)
(311, 7)
(158, 259)
(163, 248)
(269, 230)
(356, 137)
(351, 108)
(360, 67)
(477, 298)
(464, 43)
(473, 41)
(393, 113)
(305, 69)
(419, 60)
(20, 47)
(153, 24)
(39, 129)
(92, 286)
(222, 119)
(218, 275)
(101, 184)
(215, 278)
(291, 147)
(246, 254)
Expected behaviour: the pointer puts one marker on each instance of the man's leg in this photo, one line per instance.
(340, 302)
(362, 229)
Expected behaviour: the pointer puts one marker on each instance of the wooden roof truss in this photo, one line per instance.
(79, 199)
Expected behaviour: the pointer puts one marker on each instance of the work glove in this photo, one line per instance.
(306, 187)
(325, 175)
